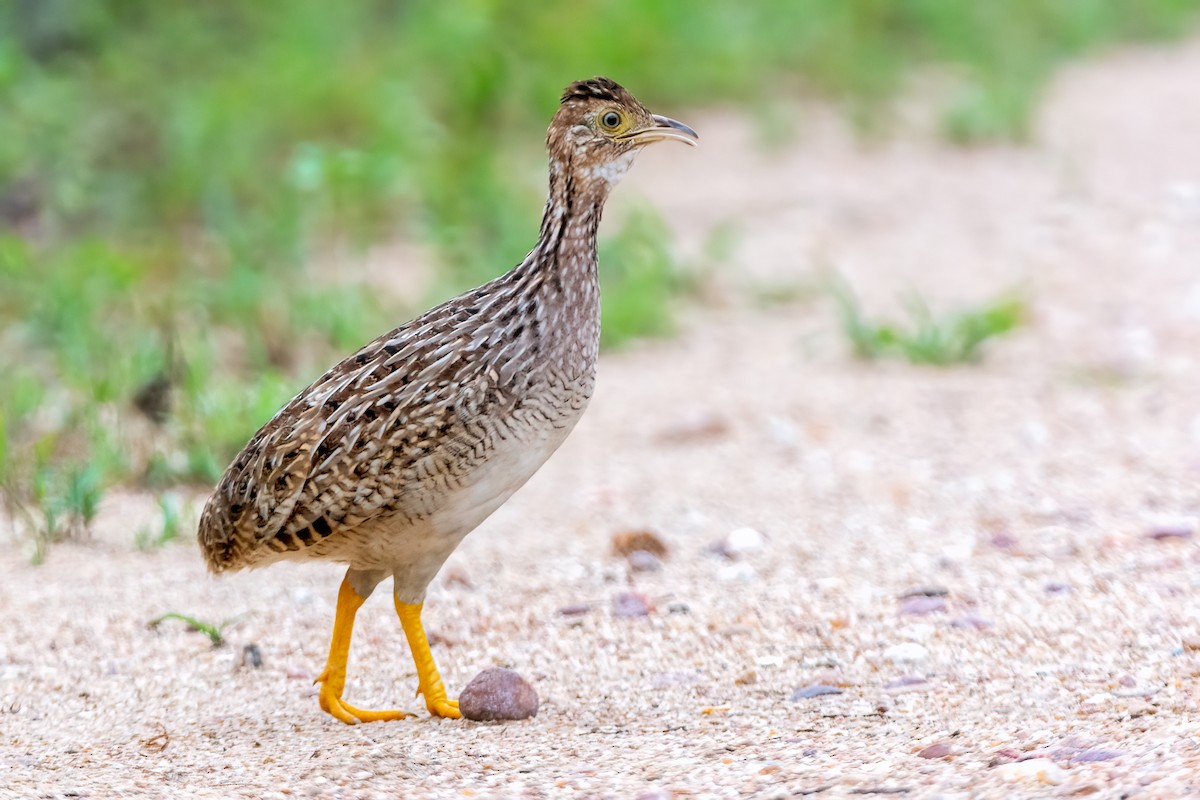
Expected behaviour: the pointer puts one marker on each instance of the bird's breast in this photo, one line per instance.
(494, 454)
(503, 437)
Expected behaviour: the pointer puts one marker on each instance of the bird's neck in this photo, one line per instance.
(557, 285)
(561, 268)
(566, 245)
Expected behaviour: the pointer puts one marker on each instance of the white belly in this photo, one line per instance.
(414, 550)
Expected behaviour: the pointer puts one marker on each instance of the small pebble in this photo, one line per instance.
(925, 591)
(737, 573)
(922, 605)
(644, 561)
(1005, 541)
(907, 683)
(936, 750)
(628, 542)
(497, 694)
(1040, 770)
(816, 690)
(1191, 643)
(1168, 531)
(251, 656)
(1056, 587)
(743, 541)
(1169, 534)
(907, 652)
(747, 678)
(631, 604)
(574, 610)
(783, 433)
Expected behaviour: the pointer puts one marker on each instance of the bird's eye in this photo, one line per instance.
(610, 120)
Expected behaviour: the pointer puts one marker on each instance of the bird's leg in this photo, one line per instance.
(333, 677)
(429, 682)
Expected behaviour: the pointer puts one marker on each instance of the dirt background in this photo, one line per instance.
(1051, 494)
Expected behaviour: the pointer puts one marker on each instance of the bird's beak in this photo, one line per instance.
(663, 129)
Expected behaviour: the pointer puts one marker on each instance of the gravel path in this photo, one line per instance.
(986, 577)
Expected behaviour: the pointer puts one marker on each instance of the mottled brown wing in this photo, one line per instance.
(342, 451)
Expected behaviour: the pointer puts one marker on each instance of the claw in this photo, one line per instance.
(447, 709)
(439, 705)
(333, 704)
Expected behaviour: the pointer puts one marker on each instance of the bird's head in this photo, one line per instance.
(599, 128)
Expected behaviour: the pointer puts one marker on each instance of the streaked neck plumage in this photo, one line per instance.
(566, 246)
(560, 273)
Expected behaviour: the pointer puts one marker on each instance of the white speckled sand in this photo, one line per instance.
(1024, 488)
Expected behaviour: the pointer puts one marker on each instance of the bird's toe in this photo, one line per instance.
(447, 709)
(332, 704)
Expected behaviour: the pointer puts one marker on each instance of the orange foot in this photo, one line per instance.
(429, 682)
(439, 705)
(332, 702)
(333, 677)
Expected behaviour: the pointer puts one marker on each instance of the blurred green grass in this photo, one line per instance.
(169, 173)
(936, 339)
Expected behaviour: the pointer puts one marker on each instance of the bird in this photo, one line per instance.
(388, 460)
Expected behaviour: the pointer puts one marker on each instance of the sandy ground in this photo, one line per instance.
(1058, 657)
